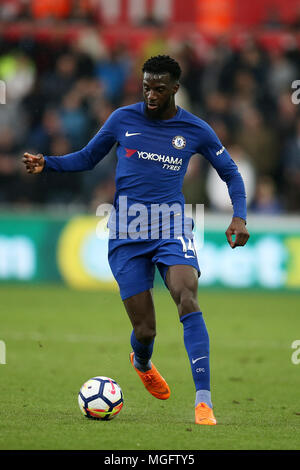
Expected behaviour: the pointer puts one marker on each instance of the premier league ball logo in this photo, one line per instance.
(179, 142)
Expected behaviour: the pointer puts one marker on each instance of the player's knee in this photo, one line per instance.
(185, 296)
(188, 302)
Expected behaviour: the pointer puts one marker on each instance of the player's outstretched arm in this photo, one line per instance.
(81, 160)
(34, 163)
(237, 228)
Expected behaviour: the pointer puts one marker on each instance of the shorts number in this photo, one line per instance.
(189, 247)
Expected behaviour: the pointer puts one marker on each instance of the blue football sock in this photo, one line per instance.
(142, 353)
(196, 342)
(203, 396)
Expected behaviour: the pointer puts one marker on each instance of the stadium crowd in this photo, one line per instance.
(59, 94)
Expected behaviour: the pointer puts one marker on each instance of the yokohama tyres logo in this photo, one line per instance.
(160, 158)
(169, 163)
(129, 152)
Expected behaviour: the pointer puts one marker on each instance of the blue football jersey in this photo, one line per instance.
(153, 156)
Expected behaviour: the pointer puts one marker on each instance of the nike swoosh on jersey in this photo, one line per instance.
(198, 359)
(188, 256)
(132, 133)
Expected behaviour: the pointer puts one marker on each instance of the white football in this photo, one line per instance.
(100, 398)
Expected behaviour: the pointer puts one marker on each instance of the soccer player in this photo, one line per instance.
(155, 140)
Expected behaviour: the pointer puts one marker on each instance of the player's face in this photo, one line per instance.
(159, 91)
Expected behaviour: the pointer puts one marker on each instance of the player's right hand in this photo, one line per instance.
(34, 163)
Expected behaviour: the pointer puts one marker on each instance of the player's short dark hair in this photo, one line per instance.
(162, 64)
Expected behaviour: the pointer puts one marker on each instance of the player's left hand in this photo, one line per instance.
(34, 163)
(237, 228)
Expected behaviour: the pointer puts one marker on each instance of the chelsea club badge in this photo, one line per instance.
(179, 142)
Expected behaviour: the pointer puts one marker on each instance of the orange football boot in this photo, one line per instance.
(153, 381)
(204, 414)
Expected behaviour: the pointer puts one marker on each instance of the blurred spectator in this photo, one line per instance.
(222, 130)
(8, 165)
(8, 143)
(254, 60)
(258, 141)
(158, 43)
(191, 71)
(18, 72)
(216, 188)
(60, 187)
(291, 169)
(193, 187)
(39, 140)
(12, 9)
(102, 193)
(113, 73)
(92, 181)
(281, 73)
(56, 84)
(218, 109)
(33, 105)
(273, 18)
(74, 122)
(13, 117)
(286, 116)
(265, 199)
(89, 42)
(250, 60)
(100, 111)
(216, 58)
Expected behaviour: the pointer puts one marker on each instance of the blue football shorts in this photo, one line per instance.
(133, 262)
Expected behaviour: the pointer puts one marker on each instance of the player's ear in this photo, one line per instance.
(176, 87)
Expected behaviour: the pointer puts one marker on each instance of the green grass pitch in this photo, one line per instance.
(57, 338)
